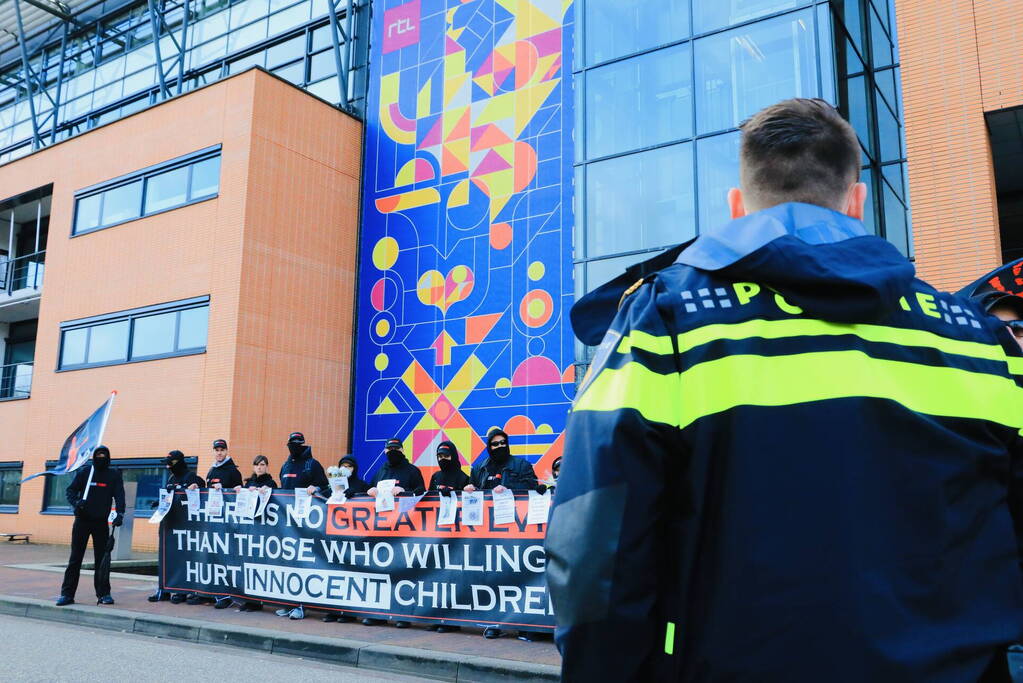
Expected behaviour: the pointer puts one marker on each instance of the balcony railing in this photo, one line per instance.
(24, 272)
(16, 380)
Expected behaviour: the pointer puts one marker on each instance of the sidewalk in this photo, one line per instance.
(464, 656)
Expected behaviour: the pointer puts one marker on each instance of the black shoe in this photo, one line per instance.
(222, 603)
(196, 600)
(254, 606)
(528, 637)
(158, 596)
(401, 624)
(444, 628)
(177, 598)
(371, 622)
(65, 600)
(329, 618)
(491, 632)
(105, 600)
(344, 619)
(433, 627)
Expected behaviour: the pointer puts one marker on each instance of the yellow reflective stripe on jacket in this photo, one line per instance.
(803, 327)
(680, 399)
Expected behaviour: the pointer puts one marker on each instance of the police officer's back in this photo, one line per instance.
(790, 460)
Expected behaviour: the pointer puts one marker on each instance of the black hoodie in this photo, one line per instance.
(107, 485)
(226, 474)
(356, 486)
(301, 470)
(407, 475)
(450, 475)
(261, 480)
(181, 477)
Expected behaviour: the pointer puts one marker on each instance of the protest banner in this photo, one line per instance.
(399, 564)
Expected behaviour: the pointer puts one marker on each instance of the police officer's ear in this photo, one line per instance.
(736, 203)
(855, 200)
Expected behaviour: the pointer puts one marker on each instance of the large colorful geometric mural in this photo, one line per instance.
(465, 276)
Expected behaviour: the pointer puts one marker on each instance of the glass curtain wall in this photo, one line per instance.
(661, 90)
(109, 71)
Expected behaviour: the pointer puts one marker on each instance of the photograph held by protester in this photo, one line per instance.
(90, 494)
(301, 471)
(786, 463)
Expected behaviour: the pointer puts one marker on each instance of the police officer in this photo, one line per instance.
(89, 495)
(790, 459)
(301, 471)
(180, 478)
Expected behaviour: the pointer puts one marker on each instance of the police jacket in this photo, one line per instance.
(226, 474)
(304, 471)
(407, 475)
(790, 462)
(106, 486)
(261, 480)
(515, 474)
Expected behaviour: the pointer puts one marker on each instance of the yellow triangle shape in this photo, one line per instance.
(529, 21)
(528, 101)
(496, 204)
(386, 407)
(423, 101)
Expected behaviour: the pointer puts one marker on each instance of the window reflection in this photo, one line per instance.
(620, 27)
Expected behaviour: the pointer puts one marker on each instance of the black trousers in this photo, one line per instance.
(80, 533)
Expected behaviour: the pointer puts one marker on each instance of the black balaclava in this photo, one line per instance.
(394, 454)
(448, 464)
(296, 445)
(500, 455)
(101, 458)
(175, 462)
(556, 467)
(350, 460)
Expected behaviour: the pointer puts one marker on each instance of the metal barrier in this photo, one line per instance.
(24, 272)
(16, 380)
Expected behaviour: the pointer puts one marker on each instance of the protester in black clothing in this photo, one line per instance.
(299, 471)
(224, 473)
(499, 472)
(180, 478)
(449, 477)
(350, 468)
(260, 477)
(90, 495)
(407, 476)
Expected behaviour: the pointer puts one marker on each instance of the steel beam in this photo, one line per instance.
(36, 142)
(342, 40)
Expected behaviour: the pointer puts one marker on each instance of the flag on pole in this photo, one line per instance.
(77, 449)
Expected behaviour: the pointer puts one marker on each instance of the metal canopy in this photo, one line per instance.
(37, 15)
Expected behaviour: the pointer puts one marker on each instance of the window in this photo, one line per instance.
(149, 475)
(160, 188)
(744, 70)
(718, 164)
(639, 102)
(714, 14)
(162, 331)
(615, 28)
(10, 486)
(654, 209)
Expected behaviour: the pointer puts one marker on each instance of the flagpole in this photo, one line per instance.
(88, 483)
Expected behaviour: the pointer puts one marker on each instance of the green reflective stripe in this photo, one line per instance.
(651, 394)
(637, 339)
(669, 639)
(799, 327)
(1015, 365)
(719, 385)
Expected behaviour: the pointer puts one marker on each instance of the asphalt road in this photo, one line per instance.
(44, 651)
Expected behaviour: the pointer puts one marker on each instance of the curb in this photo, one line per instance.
(364, 655)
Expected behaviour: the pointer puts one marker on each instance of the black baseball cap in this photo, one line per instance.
(173, 457)
(220, 443)
(393, 444)
(989, 300)
(296, 437)
(101, 451)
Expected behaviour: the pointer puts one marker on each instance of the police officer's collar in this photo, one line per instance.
(722, 246)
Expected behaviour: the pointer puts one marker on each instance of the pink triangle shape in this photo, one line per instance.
(433, 137)
(491, 163)
(452, 46)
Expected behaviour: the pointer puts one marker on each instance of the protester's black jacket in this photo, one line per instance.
(183, 480)
(406, 474)
(303, 471)
(226, 474)
(452, 479)
(356, 485)
(107, 485)
(261, 480)
(516, 474)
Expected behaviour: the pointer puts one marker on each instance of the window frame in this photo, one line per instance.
(143, 175)
(118, 464)
(6, 466)
(130, 316)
